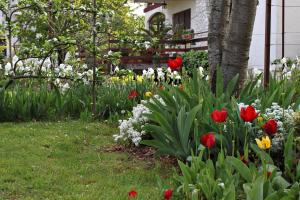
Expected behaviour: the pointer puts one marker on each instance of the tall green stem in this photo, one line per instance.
(220, 132)
(246, 139)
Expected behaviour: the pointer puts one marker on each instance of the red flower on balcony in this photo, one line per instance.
(175, 64)
(208, 140)
(219, 116)
(168, 194)
(270, 127)
(132, 194)
(133, 94)
(248, 114)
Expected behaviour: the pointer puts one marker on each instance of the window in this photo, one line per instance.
(157, 22)
(182, 20)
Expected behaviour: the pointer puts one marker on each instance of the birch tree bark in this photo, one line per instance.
(230, 32)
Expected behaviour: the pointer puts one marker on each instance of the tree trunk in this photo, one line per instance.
(219, 14)
(230, 31)
(238, 40)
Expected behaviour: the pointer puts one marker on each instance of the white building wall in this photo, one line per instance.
(199, 23)
(256, 57)
(292, 32)
(292, 28)
(199, 20)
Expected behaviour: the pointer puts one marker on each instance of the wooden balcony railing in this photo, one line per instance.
(166, 50)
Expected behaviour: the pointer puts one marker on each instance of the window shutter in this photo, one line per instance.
(182, 19)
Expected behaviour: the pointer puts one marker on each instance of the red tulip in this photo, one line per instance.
(168, 194)
(179, 61)
(181, 88)
(133, 94)
(175, 64)
(132, 194)
(248, 114)
(208, 140)
(219, 116)
(270, 127)
(244, 160)
(269, 174)
(161, 88)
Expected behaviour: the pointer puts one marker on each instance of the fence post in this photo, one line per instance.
(267, 42)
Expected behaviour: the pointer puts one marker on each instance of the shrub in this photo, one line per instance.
(195, 59)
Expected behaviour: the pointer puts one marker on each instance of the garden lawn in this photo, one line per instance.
(63, 161)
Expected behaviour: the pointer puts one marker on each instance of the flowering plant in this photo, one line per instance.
(131, 130)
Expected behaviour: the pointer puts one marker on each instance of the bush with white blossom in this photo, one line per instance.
(131, 129)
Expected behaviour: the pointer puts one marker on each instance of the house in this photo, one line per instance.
(193, 14)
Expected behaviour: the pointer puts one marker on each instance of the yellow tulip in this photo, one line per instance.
(260, 120)
(139, 78)
(264, 143)
(130, 77)
(148, 94)
(114, 79)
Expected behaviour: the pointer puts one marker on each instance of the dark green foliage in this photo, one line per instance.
(26, 101)
(195, 59)
(179, 107)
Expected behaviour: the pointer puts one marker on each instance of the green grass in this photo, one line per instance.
(63, 161)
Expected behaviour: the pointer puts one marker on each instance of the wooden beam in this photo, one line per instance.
(267, 42)
(283, 28)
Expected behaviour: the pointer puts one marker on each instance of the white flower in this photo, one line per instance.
(169, 70)
(84, 66)
(38, 35)
(222, 185)
(65, 87)
(128, 129)
(283, 61)
(116, 69)
(288, 74)
(147, 44)
(298, 60)
(256, 71)
(201, 71)
(160, 74)
(7, 67)
(57, 81)
(176, 75)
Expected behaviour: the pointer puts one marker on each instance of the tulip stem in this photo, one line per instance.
(233, 146)
(246, 138)
(233, 141)
(264, 167)
(220, 130)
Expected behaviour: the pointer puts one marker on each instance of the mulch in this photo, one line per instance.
(144, 153)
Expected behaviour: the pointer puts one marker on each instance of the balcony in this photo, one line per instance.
(159, 56)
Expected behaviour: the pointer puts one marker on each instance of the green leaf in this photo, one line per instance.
(257, 190)
(298, 172)
(238, 165)
(288, 154)
(261, 154)
(219, 84)
(232, 86)
(279, 183)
